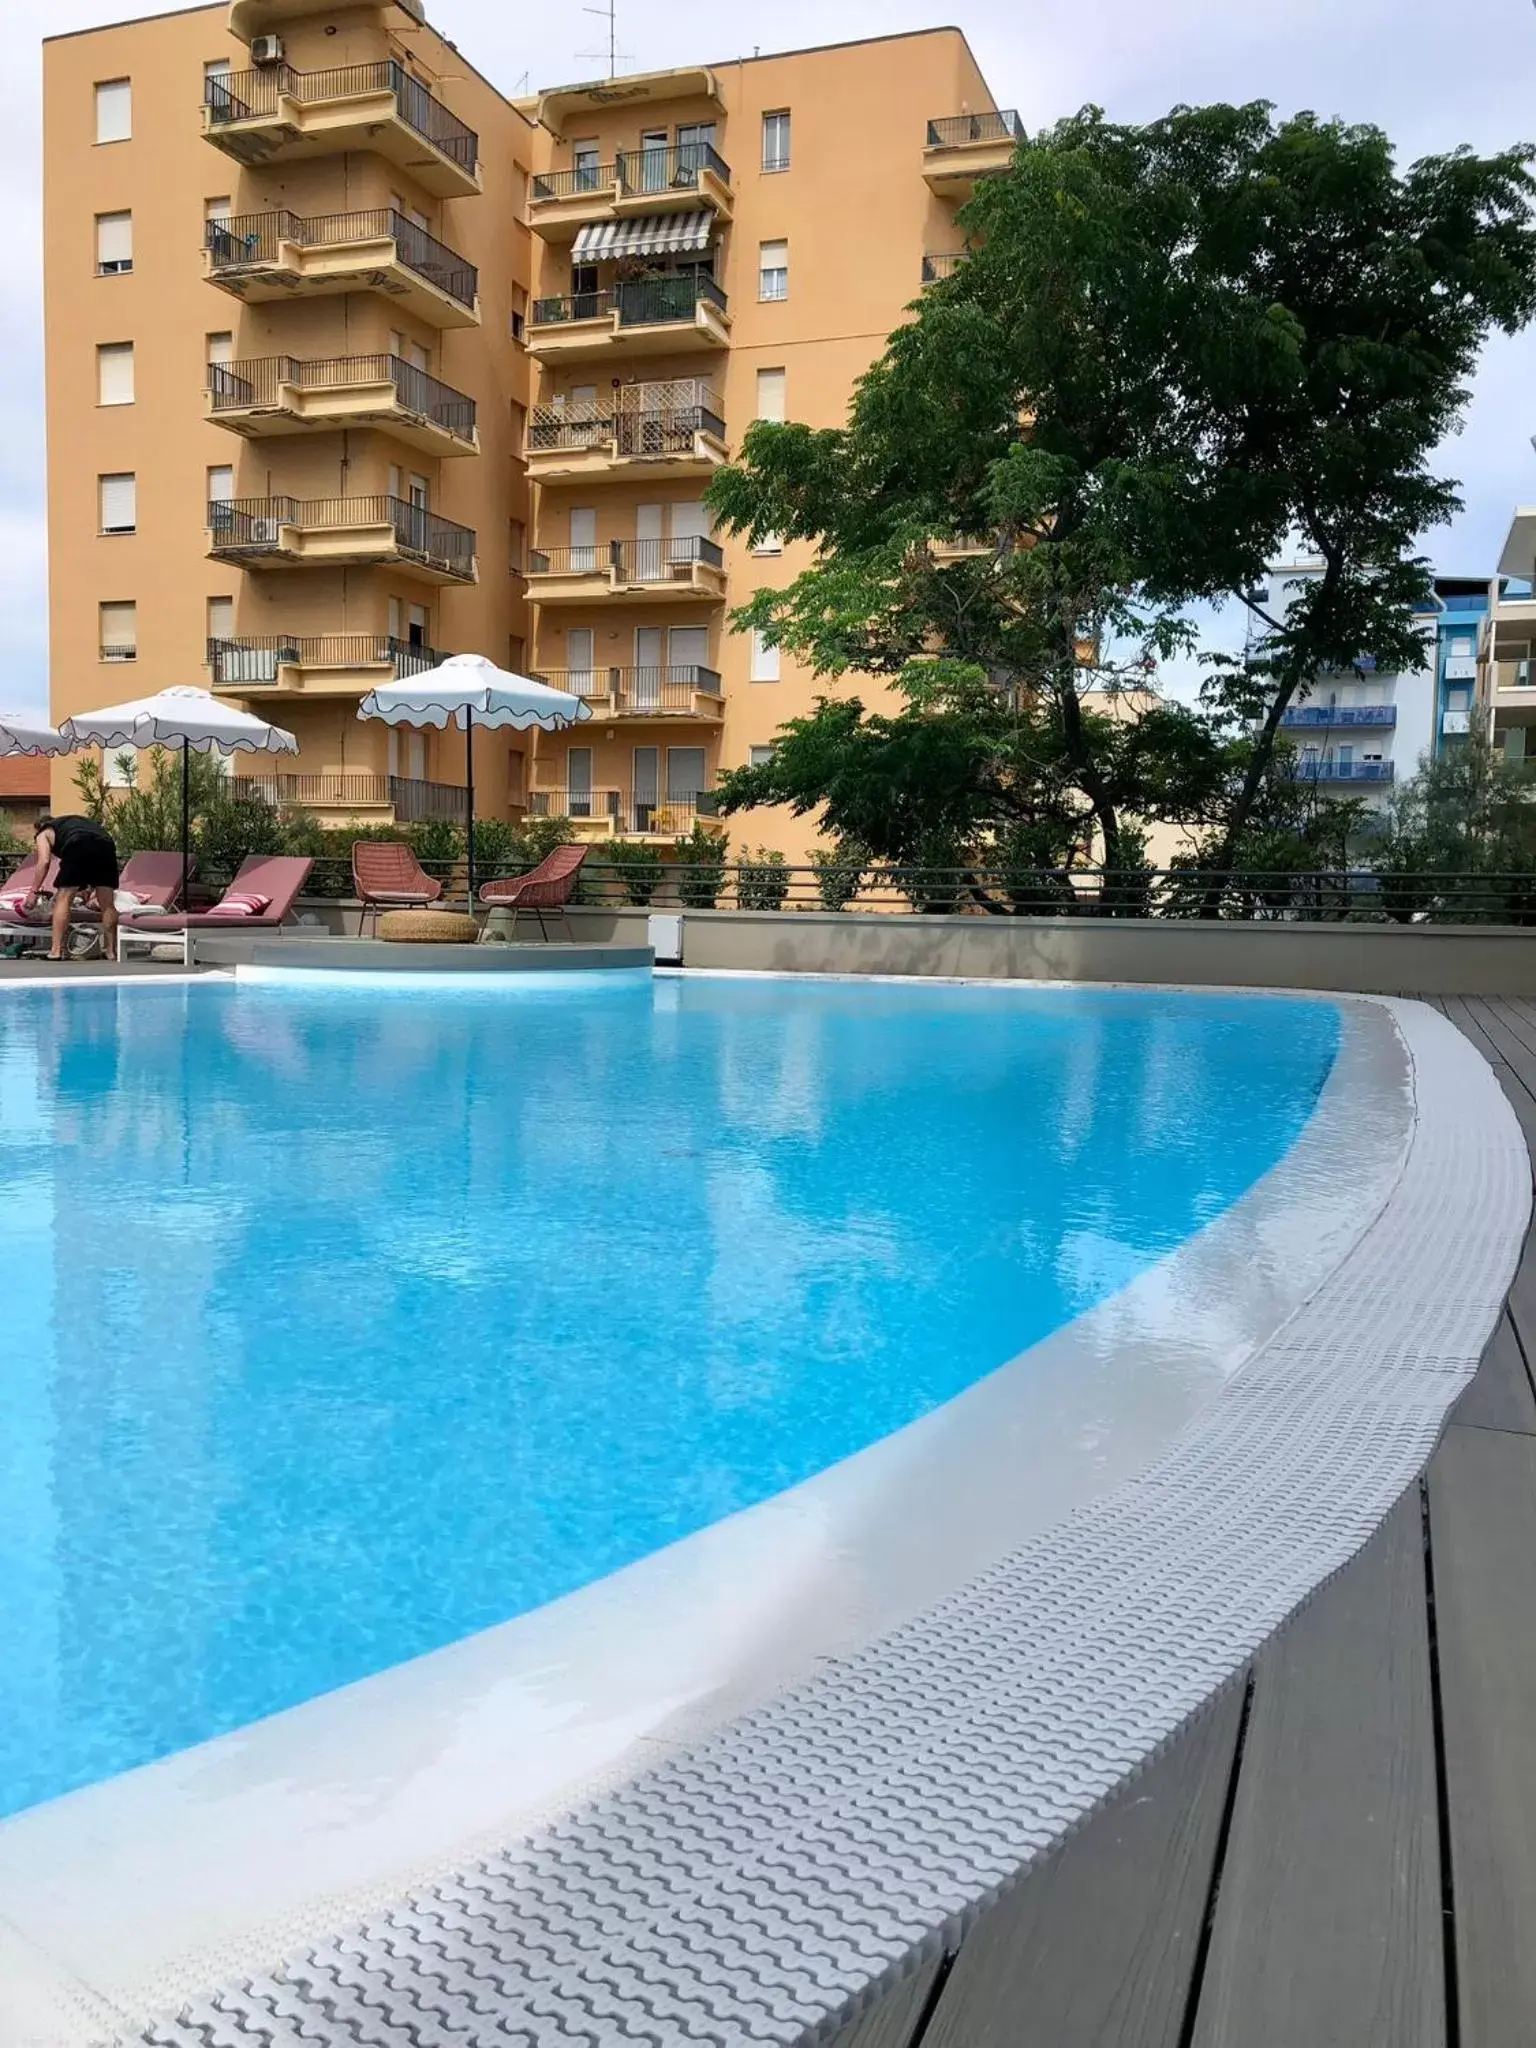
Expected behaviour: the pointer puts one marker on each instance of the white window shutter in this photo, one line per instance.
(114, 110)
(114, 242)
(119, 503)
(119, 631)
(765, 659)
(770, 395)
(114, 373)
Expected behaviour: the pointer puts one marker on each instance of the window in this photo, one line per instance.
(517, 764)
(517, 654)
(221, 618)
(768, 544)
(119, 631)
(580, 645)
(776, 140)
(517, 547)
(114, 110)
(218, 209)
(221, 348)
(770, 395)
(773, 270)
(114, 373)
(519, 426)
(114, 244)
(519, 311)
(216, 67)
(687, 778)
(765, 659)
(583, 537)
(118, 500)
(759, 757)
(584, 164)
(221, 484)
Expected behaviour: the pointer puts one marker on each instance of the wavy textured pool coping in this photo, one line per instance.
(768, 1885)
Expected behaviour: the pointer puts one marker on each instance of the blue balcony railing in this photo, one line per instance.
(1326, 770)
(1314, 716)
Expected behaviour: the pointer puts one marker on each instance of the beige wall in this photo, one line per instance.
(858, 217)
(167, 308)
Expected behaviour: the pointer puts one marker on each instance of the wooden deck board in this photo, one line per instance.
(894, 2022)
(1482, 1491)
(1096, 1949)
(1327, 1932)
(1511, 1050)
(1500, 1395)
(1514, 1017)
(1455, 1008)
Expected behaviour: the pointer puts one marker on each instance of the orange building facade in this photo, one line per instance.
(353, 362)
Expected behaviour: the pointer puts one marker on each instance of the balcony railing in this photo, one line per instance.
(247, 241)
(1340, 771)
(1515, 675)
(255, 526)
(954, 130)
(119, 650)
(630, 561)
(938, 266)
(645, 302)
(247, 95)
(256, 657)
(654, 430)
(573, 184)
(620, 811)
(642, 692)
(257, 385)
(1329, 715)
(669, 170)
(412, 799)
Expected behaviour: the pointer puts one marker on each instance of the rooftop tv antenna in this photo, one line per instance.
(613, 54)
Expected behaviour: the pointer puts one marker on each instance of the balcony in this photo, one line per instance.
(938, 266)
(1329, 770)
(651, 316)
(686, 568)
(278, 115)
(314, 665)
(248, 18)
(597, 814)
(685, 691)
(263, 256)
(1456, 724)
(374, 799)
(272, 395)
(288, 533)
(666, 429)
(637, 182)
(964, 147)
(1313, 717)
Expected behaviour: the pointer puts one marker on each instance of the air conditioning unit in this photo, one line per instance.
(266, 50)
(266, 532)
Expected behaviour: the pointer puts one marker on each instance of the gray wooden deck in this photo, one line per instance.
(1341, 1851)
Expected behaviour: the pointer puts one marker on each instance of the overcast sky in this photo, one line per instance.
(1433, 73)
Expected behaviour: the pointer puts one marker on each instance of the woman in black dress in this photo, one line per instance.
(87, 860)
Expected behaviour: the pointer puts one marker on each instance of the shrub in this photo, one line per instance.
(498, 848)
(701, 867)
(234, 825)
(540, 837)
(840, 871)
(437, 842)
(1031, 866)
(932, 880)
(637, 866)
(762, 880)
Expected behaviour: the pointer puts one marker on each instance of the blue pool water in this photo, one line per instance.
(340, 1323)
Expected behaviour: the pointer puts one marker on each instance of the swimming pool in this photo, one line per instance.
(345, 1324)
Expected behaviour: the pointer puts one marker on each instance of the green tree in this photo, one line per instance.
(1172, 346)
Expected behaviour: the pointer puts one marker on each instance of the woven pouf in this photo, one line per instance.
(428, 927)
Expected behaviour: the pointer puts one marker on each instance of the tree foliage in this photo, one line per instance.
(1171, 347)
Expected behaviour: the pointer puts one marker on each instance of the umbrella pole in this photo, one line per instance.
(186, 810)
(469, 791)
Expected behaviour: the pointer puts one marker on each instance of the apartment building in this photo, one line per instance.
(1506, 644)
(354, 362)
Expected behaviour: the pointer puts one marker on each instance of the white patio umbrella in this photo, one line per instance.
(193, 720)
(20, 735)
(466, 690)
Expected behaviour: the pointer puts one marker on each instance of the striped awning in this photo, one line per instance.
(649, 234)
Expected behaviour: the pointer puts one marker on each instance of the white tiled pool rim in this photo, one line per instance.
(775, 1881)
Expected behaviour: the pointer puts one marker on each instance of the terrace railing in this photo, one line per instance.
(644, 302)
(643, 692)
(1328, 715)
(676, 169)
(257, 657)
(940, 264)
(649, 431)
(250, 241)
(953, 130)
(573, 184)
(1339, 771)
(629, 561)
(256, 385)
(255, 526)
(624, 813)
(249, 95)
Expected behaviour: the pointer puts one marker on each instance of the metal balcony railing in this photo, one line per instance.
(630, 561)
(1306, 716)
(645, 302)
(257, 657)
(118, 650)
(573, 184)
(250, 241)
(656, 430)
(415, 800)
(1326, 770)
(248, 95)
(669, 170)
(254, 526)
(307, 792)
(622, 812)
(955, 129)
(939, 265)
(644, 692)
(256, 385)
